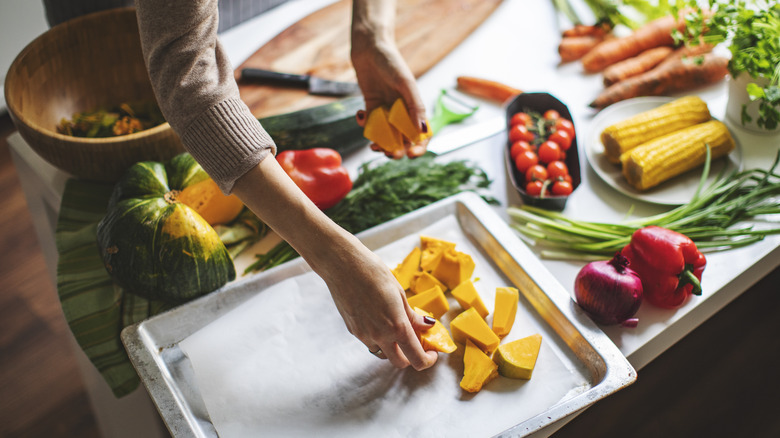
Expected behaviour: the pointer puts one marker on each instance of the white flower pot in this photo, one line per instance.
(738, 96)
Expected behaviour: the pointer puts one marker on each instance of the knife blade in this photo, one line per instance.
(464, 136)
(313, 84)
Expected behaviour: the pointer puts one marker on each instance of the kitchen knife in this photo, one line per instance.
(314, 84)
(458, 137)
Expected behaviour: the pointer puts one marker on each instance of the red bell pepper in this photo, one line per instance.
(318, 173)
(668, 263)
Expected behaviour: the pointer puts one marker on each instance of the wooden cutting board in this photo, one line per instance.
(319, 44)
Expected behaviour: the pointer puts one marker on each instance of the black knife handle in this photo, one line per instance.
(257, 74)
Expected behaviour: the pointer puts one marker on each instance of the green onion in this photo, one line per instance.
(710, 218)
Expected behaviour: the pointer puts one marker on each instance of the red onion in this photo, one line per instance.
(609, 291)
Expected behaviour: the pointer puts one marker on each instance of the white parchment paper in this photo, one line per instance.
(284, 364)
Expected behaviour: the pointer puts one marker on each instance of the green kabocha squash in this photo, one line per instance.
(155, 246)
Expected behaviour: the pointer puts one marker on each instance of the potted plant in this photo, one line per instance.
(751, 31)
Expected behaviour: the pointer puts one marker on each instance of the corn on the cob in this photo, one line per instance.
(627, 134)
(662, 158)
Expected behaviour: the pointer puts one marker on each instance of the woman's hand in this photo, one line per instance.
(366, 293)
(374, 307)
(381, 71)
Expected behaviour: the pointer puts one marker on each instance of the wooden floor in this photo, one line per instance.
(720, 381)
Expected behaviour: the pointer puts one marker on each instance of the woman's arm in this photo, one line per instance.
(382, 73)
(196, 90)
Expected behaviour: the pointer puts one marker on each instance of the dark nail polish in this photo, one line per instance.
(361, 115)
(424, 127)
(429, 320)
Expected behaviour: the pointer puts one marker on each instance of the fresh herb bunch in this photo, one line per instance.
(751, 28)
(711, 219)
(385, 190)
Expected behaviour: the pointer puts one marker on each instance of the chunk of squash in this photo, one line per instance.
(437, 337)
(517, 359)
(432, 250)
(379, 130)
(469, 325)
(406, 270)
(432, 300)
(478, 368)
(453, 268)
(400, 119)
(505, 310)
(424, 281)
(210, 203)
(468, 297)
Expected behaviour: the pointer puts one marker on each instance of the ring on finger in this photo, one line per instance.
(377, 353)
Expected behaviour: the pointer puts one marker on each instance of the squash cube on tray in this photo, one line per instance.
(467, 296)
(437, 337)
(478, 368)
(424, 281)
(408, 268)
(432, 300)
(505, 310)
(517, 359)
(469, 325)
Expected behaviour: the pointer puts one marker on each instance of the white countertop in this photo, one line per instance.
(517, 45)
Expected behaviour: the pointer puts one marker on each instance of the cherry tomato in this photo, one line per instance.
(520, 118)
(557, 169)
(567, 178)
(549, 151)
(562, 188)
(562, 138)
(524, 160)
(551, 114)
(534, 188)
(565, 125)
(519, 146)
(536, 172)
(520, 132)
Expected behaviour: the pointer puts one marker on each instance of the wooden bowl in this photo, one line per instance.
(87, 63)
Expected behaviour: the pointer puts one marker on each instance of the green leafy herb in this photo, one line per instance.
(752, 31)
(388, 189)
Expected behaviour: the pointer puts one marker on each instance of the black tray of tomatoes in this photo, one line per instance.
(541, 155)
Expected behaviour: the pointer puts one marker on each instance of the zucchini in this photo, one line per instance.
(331, 125)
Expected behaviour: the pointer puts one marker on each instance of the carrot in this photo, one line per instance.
(656, 33)
(687, 52)
(572, 48)
(668, 77)
(636, 65)
(586, 30)
(486, 88)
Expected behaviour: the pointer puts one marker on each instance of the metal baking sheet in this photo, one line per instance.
(167, 374)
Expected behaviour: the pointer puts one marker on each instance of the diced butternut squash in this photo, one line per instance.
(437, 337)
(379, 130)
(517, 359)
(453, 268)
(505, 310)
(432, 300)
(424, 281)
(469, 325)
(478, 368)
(407, 269)
(432, 250)
(400, 119)
(468, 297)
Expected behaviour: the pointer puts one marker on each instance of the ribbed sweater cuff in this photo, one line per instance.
(228, 141)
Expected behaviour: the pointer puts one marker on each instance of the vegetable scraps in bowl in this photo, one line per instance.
(126, 118)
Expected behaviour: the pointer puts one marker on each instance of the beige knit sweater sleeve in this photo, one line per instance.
(196, 90)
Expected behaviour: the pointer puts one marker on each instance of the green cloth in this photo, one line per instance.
(95, 308)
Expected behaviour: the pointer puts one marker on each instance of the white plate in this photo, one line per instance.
(676, 191)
